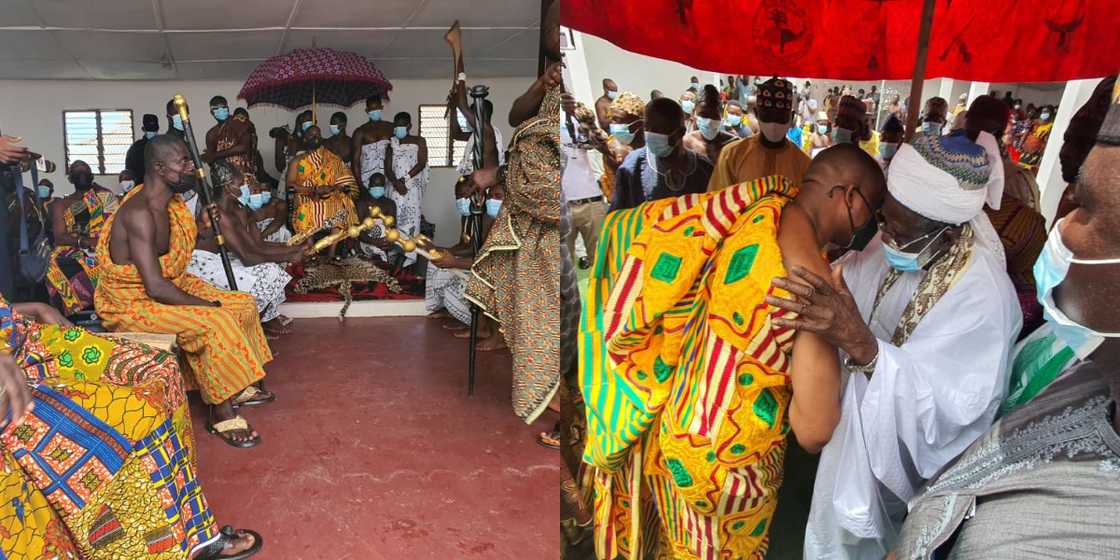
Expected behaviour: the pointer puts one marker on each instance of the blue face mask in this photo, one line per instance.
(256, 201)
(306, 125)
(621, 132)
(377, 192)
(374, 115)
(266, 196)
(709, 128)
(244, 198)
(220, 113)
(658, 144)
(904, 261)
(734, 120)
(492, 207)
(149, 134)
(887, 150)
(688, 105)
(612, 95)
(177, 122)
(841, 136)
(43, 191)
(463, 205)
(400, 132)
(335, 130)
(930, 127)
(1049, 271)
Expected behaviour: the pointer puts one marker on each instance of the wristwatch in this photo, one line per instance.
(866, 369)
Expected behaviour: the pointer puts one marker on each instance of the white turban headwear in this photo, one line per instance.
(947, 178)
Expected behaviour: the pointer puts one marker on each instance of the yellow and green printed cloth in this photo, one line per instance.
(683, 372)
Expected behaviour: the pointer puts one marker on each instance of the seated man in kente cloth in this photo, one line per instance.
(324, 189)
(144, 286)
(76, 221)
(97, 461)
(256, 263)
(676, 317)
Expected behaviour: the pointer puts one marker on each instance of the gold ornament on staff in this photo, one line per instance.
(391, 233)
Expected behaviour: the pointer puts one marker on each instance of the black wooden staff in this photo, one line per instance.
(205, 189)
(478, 200)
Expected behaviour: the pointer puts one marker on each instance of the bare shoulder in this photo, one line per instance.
(797, 241)
(135, 215)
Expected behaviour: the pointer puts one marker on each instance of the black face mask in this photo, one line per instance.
(186, 182)
(313, 143)
(82, 180)
(863, 235)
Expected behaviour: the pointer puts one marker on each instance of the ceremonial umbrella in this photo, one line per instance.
(979, 40)
(309, 76)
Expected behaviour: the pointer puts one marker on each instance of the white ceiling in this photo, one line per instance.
(226, 39)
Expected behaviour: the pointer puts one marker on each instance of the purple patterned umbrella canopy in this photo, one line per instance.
(321, 75)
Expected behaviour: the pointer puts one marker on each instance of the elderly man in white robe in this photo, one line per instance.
(924, 333)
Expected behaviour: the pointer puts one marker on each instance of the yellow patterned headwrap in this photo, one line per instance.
(627, 104)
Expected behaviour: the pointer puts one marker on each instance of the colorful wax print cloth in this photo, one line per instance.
(103, 466)
(224, 347)
(72, 273)
(684, 373)
(516, 277)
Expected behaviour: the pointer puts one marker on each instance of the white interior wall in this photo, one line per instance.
(636, 73)
(33, 109)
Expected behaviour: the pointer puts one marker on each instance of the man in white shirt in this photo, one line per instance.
(925, 334)
(586, 205)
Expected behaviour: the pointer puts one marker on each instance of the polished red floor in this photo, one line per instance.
(372, 450)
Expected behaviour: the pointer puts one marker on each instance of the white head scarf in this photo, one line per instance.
(930, 190)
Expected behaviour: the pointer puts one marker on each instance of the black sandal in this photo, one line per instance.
(236, 423)
(213, 551)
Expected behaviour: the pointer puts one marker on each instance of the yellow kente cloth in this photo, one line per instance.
(319, 168)
(747, 159)
(224, 347)
(871, 145)
(103, 467)
(683, 373)
(72, 274)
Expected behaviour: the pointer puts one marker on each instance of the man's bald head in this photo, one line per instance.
(609, 85)
(664, 115)
(163, 149)
(847, 164)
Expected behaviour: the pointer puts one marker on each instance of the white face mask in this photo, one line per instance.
(127, 185)
(1049, 271)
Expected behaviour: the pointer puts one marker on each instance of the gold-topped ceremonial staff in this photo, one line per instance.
(205, 188)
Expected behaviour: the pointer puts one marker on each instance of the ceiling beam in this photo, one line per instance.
(157, 12)
(288, 26)
(57, 41)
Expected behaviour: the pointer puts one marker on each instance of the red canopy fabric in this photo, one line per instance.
(981, 40)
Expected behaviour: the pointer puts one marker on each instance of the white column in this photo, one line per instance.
(945, 91)
(976, 89)
(576, 77)
(1050, 181)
